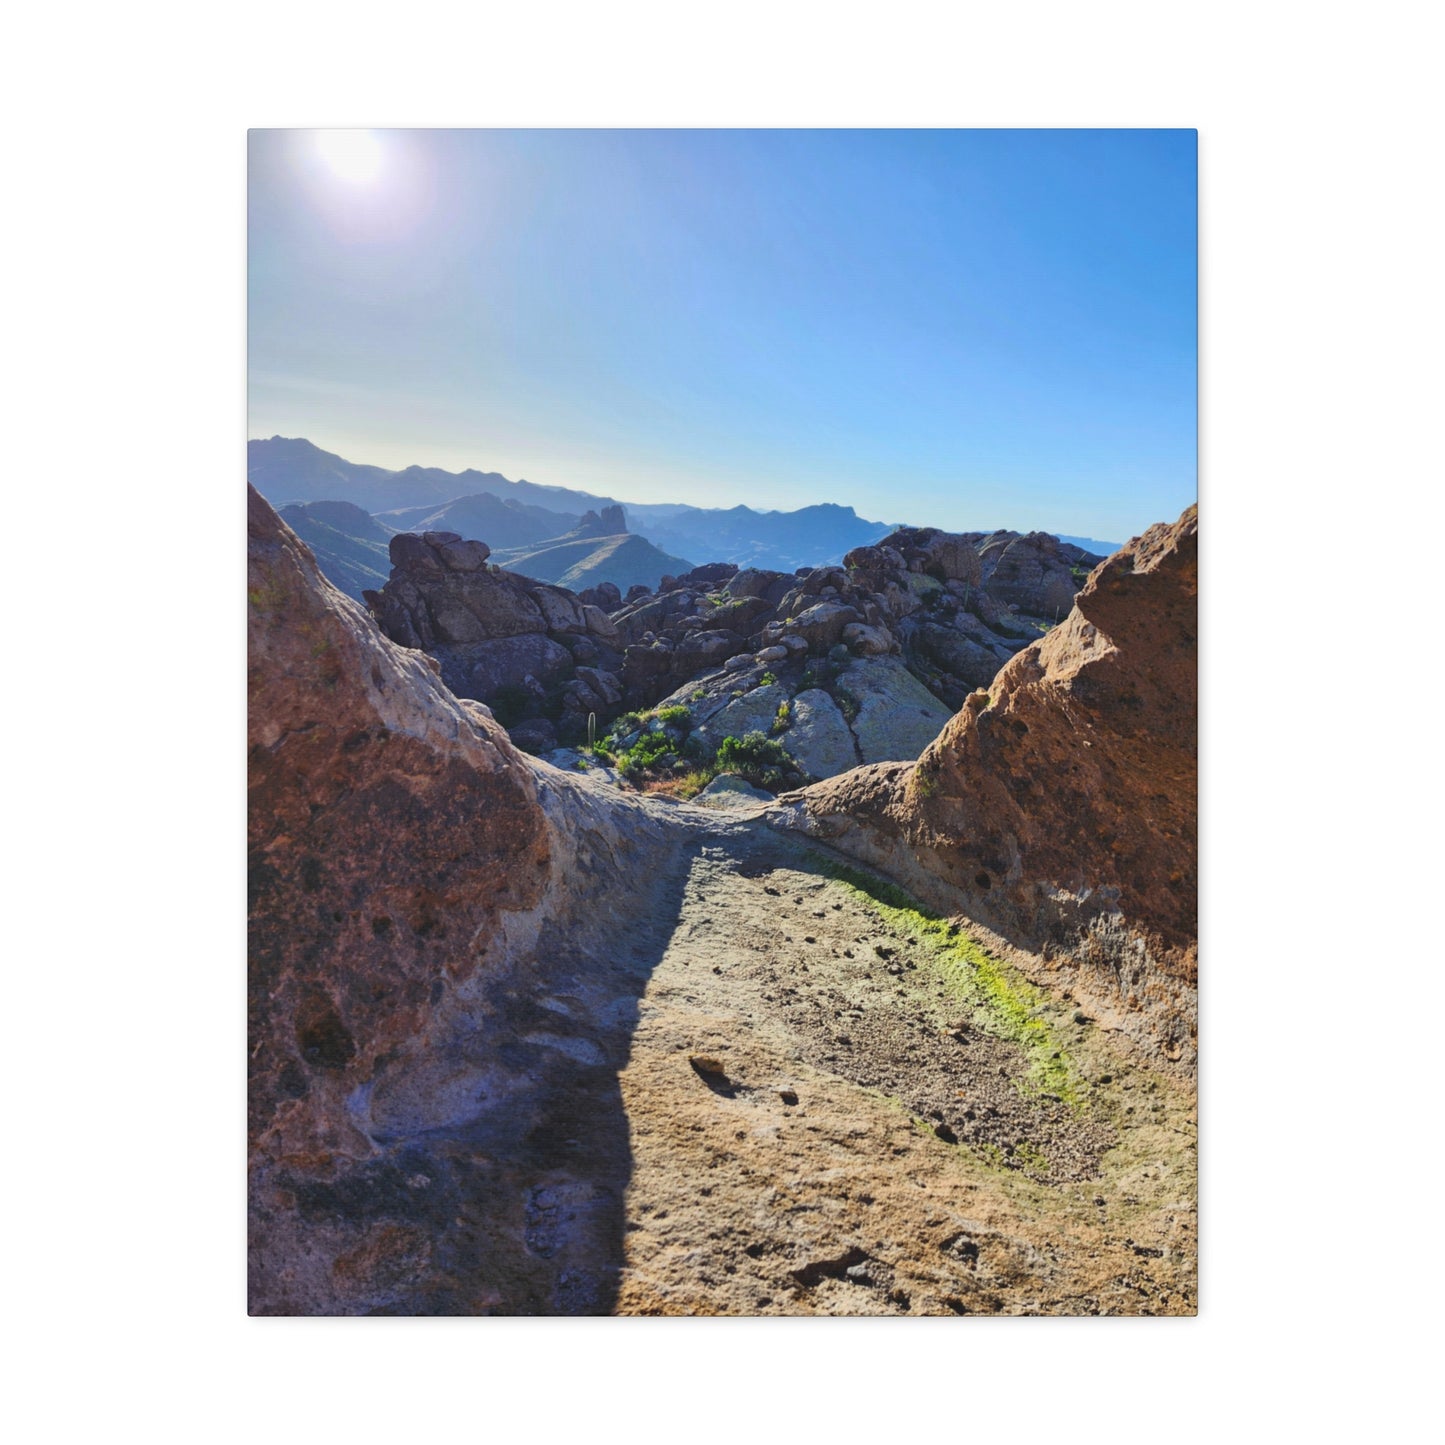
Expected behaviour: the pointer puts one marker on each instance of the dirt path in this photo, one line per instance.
(836, 1105)
(745, 1081)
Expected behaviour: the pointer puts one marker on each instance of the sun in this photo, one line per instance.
(354, 156)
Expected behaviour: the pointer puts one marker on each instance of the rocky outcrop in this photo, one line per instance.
(405, 863)
(1059, 806)
(501, 638)
(918, 605)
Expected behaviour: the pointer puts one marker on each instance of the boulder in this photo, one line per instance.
(461, 556)
(454, 623)
(755, 582)
(1032, 574)
(701, 648)
(950, 557)
(560, 609)
(754, 711)
(972, 663)
(897, 717)
(822, 624)
(605, 685)
(867, 641)
(727, 791)
(599, 623)
(818, 739)
(411, 553)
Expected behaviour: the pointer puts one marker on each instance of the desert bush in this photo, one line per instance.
(761, 760)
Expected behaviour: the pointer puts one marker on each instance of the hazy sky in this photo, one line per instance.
(959, 328)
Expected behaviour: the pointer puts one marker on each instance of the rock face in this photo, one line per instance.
(1059, 807)
(405, 862)
(499, 637)
(916, 608)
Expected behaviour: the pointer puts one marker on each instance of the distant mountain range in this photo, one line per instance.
(347, 511)
(289, 470)
(292, 469)
(349, 545)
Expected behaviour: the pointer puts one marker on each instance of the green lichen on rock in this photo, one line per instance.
(1000, 1000)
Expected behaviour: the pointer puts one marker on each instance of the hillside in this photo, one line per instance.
(813, 536)
(483, 517)
(349, 545)
(578, 563)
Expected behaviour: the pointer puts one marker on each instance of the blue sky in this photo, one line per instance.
(956, 328)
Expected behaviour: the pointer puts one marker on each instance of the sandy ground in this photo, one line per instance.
(822, 1120)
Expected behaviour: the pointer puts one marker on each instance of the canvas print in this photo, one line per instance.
(722, 723)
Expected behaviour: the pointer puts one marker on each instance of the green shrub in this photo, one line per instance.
(848, 705)
(767, 679)
(761, 760)
(650, 750)
(678, 716)
(784, 718)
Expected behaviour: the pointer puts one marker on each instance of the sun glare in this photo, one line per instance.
(354, 156)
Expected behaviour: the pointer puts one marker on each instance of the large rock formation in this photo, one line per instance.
(499, 637)
(405, 862)
(1059, 806)
(897, 637)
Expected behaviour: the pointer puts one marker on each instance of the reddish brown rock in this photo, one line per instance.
(405, 862)
(1059, 807)
(390, 824)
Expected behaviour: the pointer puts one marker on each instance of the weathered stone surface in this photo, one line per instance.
(822, 624)
(971, 662)
(604, 684)
(1031, 573)
(951, 558)
(599, 623)
(752, 712)
(701, 648)
(1059, 808)
(412, 880)
(867, 641)
(897, 716)
(480, 670)
(461, 556)
(727, 791)
(560, 609)
(818, 739)
(414, 555)
(454, 623)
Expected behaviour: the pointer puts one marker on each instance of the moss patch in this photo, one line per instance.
(999, 999)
